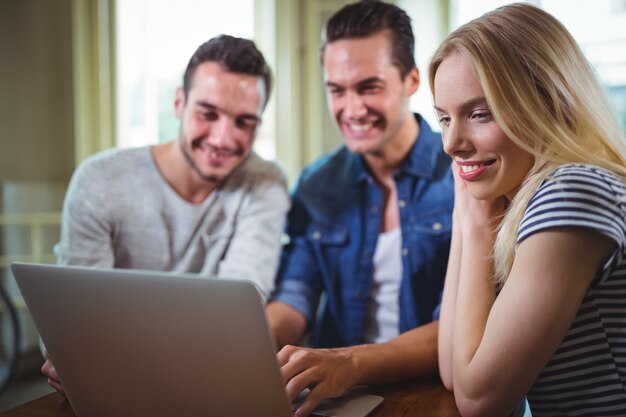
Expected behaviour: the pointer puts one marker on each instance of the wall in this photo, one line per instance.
(36, 132)
(36, 115)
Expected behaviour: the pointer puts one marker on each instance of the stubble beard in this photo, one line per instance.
(212, 179)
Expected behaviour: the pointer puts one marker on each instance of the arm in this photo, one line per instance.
(446, 318)
(286, 323)
(500, 346)
(295, 301)
(254, 249)
(330, 372)
(498, 355)
(85, 236)
(86, 229)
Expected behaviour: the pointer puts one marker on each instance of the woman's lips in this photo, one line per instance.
(471, 170)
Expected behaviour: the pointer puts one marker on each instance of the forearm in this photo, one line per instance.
(255, 246)
(285, 323)
(409, 356)
(85, 238)
(475, 298)
(448, 303)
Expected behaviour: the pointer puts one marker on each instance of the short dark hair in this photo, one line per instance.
(368, 17)
(236, 55)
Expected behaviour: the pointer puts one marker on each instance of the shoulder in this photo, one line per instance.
(574, 171)
(255, 172)
(578, 195)
(332, 172)
(114, 163)
(111, 172)
(574, 183)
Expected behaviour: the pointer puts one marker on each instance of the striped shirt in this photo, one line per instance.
(587, 374)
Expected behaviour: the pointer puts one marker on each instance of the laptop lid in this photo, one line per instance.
(138, 343)
(148, 343)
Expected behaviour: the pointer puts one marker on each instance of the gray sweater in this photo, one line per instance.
(120, 212)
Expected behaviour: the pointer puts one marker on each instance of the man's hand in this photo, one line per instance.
(326, 372)
(49, 370)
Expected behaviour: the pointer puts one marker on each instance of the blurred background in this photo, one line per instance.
(80, 76)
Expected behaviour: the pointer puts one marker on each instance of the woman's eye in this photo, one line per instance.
(482, 115)
(444, 120)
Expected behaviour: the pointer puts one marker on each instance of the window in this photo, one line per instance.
(155, 39)
(599, 27)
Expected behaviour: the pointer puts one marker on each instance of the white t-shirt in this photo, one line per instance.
(383, 308)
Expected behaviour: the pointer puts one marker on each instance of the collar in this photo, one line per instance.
(421, 161)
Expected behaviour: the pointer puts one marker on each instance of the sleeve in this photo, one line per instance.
(254, 249)
(299, 280)
(86, 233)
(579, 196)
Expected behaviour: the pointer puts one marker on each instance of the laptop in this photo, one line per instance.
(146, 343)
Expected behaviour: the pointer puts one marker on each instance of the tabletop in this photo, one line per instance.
(423, 399)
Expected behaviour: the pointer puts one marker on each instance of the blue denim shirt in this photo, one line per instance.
(333, 227)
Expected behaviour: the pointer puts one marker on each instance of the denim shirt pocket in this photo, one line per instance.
(429, 237)
(437, 223)
(329, 245)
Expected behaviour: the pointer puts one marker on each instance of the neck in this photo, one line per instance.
(385, 162)
(176, 171)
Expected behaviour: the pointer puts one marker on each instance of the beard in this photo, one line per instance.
(187, 151)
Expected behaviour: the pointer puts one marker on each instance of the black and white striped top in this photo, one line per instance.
(587, 375)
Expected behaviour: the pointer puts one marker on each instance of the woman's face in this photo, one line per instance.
(491, 165)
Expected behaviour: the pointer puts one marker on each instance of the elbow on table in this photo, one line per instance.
(446, 380)
(474, 407)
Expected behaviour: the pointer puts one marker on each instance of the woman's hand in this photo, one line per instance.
(476, 218)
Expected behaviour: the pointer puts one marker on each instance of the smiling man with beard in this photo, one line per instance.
(204, 203)
(370, 224)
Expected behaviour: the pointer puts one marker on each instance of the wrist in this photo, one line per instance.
(354, 364)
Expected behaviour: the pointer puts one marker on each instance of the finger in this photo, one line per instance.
(47, 367)
(285, 354)
(297, 384)
(310, 402)
(56, 385)
(49, 370)
(299, 360)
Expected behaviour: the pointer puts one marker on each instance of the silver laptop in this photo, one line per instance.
(145, 343)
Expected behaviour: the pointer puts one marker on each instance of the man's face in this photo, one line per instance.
(366, 95)
(219, 118)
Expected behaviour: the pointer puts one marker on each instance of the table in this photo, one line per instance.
(423, 399)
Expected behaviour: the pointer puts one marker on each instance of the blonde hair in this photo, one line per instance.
(545, 97)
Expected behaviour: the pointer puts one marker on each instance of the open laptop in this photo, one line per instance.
(145, 343)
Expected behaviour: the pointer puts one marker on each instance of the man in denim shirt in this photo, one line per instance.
(370, 224)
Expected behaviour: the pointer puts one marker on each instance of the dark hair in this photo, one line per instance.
(368, 17)
(236, 55)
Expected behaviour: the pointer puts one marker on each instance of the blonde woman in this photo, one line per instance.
(535, 295)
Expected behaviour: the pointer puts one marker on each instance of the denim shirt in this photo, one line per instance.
(333, 228)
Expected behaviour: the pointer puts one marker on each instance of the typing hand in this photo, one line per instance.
(326, 372)
(53, 377)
